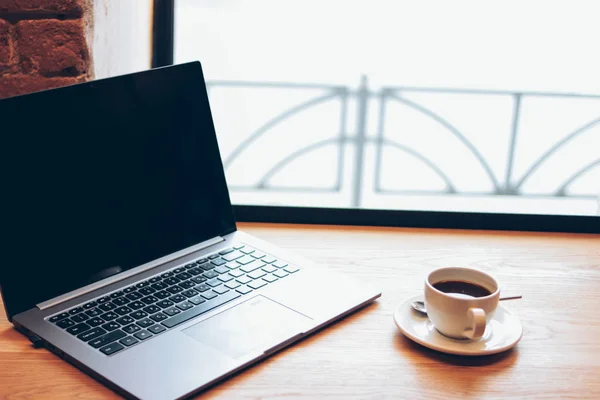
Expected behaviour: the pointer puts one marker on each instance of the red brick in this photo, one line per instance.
(52, 47)
(13, 85)
(72, 8)
(6, 46)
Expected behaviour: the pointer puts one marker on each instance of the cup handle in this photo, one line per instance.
(477, 329)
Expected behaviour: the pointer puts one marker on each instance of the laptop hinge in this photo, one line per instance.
(129, 273)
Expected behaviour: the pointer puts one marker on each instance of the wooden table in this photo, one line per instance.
(365, 357)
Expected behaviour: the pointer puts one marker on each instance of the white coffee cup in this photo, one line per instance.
(460, 316)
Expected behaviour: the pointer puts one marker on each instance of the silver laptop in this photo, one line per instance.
(121, 252)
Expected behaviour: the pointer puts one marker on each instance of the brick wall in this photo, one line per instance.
(43, 44)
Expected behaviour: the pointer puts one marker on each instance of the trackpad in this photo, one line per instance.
(255, 324)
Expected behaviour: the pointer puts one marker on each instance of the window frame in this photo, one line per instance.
(163, 35)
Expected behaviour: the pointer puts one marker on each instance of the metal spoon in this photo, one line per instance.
(420, 305)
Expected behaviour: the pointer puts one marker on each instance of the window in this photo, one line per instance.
(460, 106)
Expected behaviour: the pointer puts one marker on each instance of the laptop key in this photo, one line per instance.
(75, 310)
(259, 273)
(163, 294)
(142, 335)
(106, 339)
(257, 284)
(142, 284)
(89, 305)
(247, 250)
(197, 300)
(146, 291)
(129, 289)
(183, 276)
(187, 284)
(65, 323)
(128, 341)
(225, 278)
(198, 279)
(138, 314)
(236, 273)
(103, 300)
(165, 303)
(111, 326)
(157, 329)
(152, 309)
(154, 280)
(218, 261)
(125, 320)
(222, 269)
(95, 321)
(79, 317)
(280, 264)
(150, 299)
(213, 256)
(291, 269)
(109, 316)
(133, 296)
(136, 305)
(233, 256)
(190, 293)
(91, 334)
(281, 274)
(116, 294)
(178, 298)
(238, 246)
(258, 254)
(268, 259)
(190, 265)
(171, 311)
(210, 274)
(79, 328)
(269, 269)
(195, 271)
(270, 278)
(232, 265)
(200, 309)
(201, 261)
(203, 287)
(158, 317)
(226, 251)
(121, 301)
(94, 312)
(171, 281)
(111, 348)
(207, 266)
(253, 267)
(144, 323)
(175, 289)
(243, 290)
(245, 260)
(232, 285)
(160, 286)
(123, 310)
(107, 306)
(185, 306)
(166, 275)
(214, 283)
(133, 328)
(243, 280)
(221, 290)
(178, 270)
(209, 295)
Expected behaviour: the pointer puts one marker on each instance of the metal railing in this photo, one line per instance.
(362, 97)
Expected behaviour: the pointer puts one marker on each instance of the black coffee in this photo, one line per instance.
(468, 288)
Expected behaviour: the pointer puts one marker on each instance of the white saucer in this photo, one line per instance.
(501, 334)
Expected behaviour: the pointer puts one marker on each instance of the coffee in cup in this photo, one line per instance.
(461, 301)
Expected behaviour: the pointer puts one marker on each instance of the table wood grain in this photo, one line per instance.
(365, 357)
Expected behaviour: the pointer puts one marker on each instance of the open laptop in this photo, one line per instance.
(121, 252)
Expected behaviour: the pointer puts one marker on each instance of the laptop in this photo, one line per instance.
(121, 251)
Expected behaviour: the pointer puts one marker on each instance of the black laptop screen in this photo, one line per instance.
(106, 176)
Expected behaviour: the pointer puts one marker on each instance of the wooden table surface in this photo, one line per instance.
(365, 357)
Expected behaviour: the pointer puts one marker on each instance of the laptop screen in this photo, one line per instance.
(101, 177)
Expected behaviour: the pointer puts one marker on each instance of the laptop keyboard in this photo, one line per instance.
(121, 319)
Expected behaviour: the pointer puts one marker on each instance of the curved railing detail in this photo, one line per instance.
(561, 191)
(455, 132)
(555, 148)
(276, 120)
